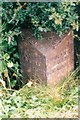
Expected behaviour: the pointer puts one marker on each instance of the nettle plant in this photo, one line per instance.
(38, 16)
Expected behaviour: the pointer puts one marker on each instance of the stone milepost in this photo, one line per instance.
(50, 60)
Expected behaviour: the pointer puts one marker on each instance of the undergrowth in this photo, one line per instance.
(37, 101)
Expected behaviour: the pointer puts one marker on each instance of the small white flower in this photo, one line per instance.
(51, 17)
(10, 64)
(9, 40)
(40, 28)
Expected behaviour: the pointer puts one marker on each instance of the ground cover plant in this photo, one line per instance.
(37, 101)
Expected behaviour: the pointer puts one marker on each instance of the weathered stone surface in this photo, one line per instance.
(50, 60)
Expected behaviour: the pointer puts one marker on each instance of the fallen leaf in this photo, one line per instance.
(6, 73)
(29, 84)
(2, 83)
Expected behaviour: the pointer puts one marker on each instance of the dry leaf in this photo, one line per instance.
(58, 21)
(6, 73)
(14, 74)
(2, 83)
(29, 84)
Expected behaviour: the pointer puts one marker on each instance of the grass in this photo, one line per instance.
(39, 101)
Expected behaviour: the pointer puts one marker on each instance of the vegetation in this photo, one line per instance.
(36, 101)
(40, 17)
